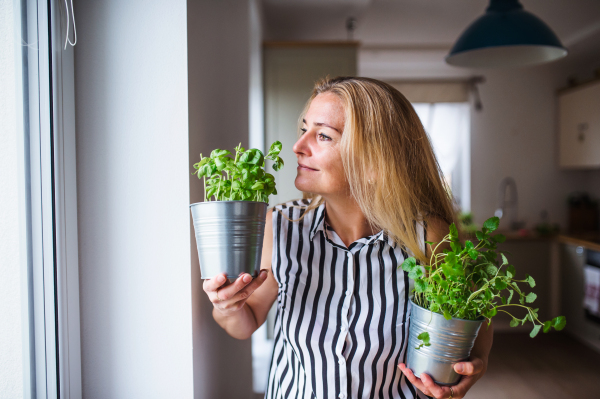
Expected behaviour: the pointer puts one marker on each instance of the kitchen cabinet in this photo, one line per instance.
(579, 126)
(573, 259)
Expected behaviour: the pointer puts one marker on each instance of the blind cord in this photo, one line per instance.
(67, 39)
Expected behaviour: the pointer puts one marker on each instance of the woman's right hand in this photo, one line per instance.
(229, 298)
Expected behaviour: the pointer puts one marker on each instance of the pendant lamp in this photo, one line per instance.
(506, 36)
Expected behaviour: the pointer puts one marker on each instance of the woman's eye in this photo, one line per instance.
(324, 137)
(303, 130)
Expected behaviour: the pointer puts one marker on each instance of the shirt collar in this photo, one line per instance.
(319, 224)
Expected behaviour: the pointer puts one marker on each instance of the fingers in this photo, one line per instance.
(214, 283)
(426, 384)
(226, 293)
(232, 296)
(436, 390)
(475, 366)
(250, 288)
(414, 380)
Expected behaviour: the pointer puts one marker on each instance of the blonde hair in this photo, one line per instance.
(388, 160)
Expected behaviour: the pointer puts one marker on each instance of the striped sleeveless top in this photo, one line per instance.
(342, 313)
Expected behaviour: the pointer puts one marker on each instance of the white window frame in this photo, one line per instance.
(51, 327)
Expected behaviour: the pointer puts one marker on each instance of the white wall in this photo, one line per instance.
(133, 197)
(11, 362)
(515, 135)
(222, 41)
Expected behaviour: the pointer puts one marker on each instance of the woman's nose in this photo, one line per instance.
(302, 145)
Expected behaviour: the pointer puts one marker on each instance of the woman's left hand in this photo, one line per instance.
(472, 371)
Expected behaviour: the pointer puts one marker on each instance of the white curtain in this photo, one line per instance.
(446, 124)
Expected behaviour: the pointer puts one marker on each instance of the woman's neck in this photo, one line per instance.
(345, 217)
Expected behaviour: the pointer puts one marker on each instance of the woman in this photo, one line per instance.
(373, 195)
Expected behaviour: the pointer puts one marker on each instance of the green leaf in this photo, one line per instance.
(504, 260)
(530, 297)
(420, 285)
(531, 281)
(275, 148)
(415, 273)
(220, 163)
(447, 270)
(278, 164)
(492, 223)
(219, 153)
(447, 315)
(514, 322)
(547, 326)
(510, 295)
(500, 238)
(473, 254)
(510, 271)
(453, 232)
(456, 247)
(480, 236)
(559, 322)
(491, 269)
(409, 264)
(500, 284)
(258, 186)
(535, 331)
(424, 337)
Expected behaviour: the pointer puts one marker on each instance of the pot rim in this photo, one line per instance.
(478, 320)
(213, 202)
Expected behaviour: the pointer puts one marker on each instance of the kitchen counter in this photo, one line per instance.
(587, 240)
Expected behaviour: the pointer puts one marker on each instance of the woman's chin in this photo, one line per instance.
(304, 186)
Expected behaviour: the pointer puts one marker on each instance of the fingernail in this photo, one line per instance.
(221, 279)
(459, 368)
(263, 275)
(247, 278)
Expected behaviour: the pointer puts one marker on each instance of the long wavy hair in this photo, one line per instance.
(388, 160)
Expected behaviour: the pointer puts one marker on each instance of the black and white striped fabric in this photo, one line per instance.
(342, 315)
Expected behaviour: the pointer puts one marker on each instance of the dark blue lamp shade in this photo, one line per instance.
(506, 36)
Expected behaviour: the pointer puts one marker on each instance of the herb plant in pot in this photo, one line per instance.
(455, 292)
(230, 223)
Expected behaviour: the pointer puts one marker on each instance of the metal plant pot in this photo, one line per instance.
(451, 342)
(229, 236)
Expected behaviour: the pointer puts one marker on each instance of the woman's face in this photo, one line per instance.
(320, 168)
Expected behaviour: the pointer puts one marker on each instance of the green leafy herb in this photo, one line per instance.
(470, 281)
(424, 337)
(242, 178)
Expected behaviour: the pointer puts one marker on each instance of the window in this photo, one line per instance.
(444, 110)
(39, 336)
(448, 127)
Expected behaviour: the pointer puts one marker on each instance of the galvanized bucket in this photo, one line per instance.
(229, 236)
(451, 342)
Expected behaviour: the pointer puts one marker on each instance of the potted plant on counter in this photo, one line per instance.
(458, 289)
(230, 223)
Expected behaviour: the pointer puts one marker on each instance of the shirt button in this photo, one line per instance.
(343, 328)
(349, 254)
(348, 293)
(342, 395)
(342, 361)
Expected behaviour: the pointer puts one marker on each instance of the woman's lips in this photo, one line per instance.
(303, 167)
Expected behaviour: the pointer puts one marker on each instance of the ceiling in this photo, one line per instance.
(414, 35)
